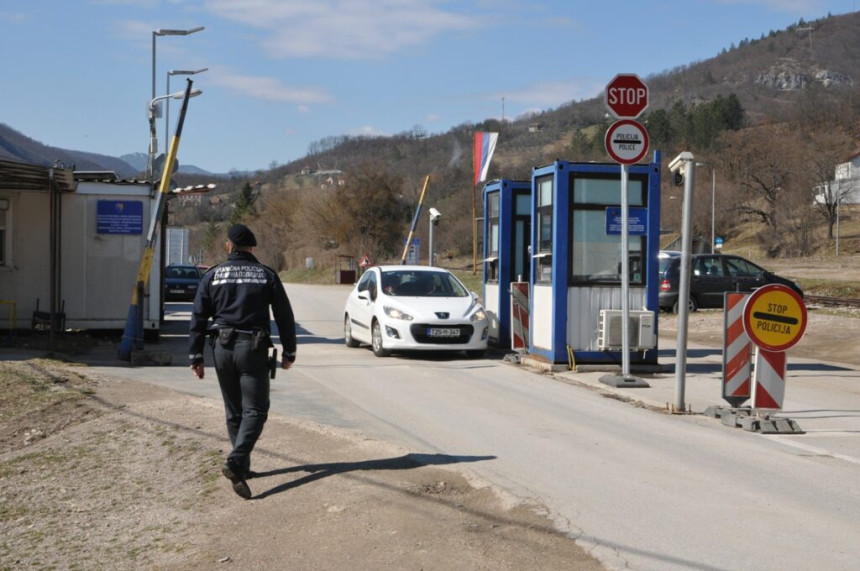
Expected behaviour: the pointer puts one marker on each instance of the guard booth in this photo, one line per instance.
(575, 299)
(507, 236)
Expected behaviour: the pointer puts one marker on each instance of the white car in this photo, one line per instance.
(409, 308)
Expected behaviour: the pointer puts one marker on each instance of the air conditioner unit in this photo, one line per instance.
(640, 329)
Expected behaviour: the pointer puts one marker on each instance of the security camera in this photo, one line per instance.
(679, 161)
(435, 215)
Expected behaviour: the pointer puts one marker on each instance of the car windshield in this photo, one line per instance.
(418, 283)
(179, 272)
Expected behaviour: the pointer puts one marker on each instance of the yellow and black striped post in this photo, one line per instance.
(132, 336)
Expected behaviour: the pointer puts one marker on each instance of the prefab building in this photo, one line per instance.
(71, 249)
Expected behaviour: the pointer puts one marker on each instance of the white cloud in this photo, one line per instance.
(366, 131)
(12, 17)
(552, 93)
(268, 88)
(790, 6)
(356, 29)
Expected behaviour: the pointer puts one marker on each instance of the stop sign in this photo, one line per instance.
(626, 96)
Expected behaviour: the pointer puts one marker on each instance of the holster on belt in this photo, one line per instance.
(260, 340)
(226, 335)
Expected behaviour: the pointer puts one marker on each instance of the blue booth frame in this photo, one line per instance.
(561, 172)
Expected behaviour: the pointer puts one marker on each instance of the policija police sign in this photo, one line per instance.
(627, 97)
(775, 320)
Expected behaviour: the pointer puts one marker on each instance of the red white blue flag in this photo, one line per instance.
(485, 144)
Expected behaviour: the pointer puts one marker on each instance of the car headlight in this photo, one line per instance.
(478, 316)
(395, 313)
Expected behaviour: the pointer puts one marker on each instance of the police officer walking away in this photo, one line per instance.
(236, 296)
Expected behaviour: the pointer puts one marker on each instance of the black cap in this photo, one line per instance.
(242, 236)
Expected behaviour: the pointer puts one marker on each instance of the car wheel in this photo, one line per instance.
(376, 337)
(347, 333)
(692, 306)
(476, 353)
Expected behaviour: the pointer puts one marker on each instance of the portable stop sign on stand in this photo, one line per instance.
(775, 320)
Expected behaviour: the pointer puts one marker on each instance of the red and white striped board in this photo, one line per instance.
(769, 379)
(737, 351)
(520, 315)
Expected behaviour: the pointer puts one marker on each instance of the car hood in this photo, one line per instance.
(427, 308)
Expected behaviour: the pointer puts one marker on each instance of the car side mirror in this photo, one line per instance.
(363, 295)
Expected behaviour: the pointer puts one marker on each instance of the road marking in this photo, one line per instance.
(812, 449)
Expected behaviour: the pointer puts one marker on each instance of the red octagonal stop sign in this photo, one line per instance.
(626, 96)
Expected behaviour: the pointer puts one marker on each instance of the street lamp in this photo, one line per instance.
(435, 216)
(152, 109)
(713, 200)
(163, 32)
(155, 34)
(167, 103)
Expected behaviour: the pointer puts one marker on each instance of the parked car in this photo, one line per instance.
(180, 282)
(712, 275)
(414, 308)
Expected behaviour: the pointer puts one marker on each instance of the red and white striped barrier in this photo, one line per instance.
(520, 315)
(769, 379)
(737, 351)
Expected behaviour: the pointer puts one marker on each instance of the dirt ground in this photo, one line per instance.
(98, 473)
(105, 474)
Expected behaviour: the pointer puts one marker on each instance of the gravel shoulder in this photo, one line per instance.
(106, 474)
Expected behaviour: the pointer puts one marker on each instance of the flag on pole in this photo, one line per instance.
(485, 144)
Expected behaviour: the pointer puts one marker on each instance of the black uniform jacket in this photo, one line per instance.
(238, 294)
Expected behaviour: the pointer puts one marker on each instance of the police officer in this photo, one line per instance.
(236, 296)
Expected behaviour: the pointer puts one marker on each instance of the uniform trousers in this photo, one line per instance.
(243, 375)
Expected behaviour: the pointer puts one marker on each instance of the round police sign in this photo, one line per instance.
(626, 142)
(775, 317)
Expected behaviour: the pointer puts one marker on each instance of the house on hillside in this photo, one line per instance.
(70, 249)
(846, 182)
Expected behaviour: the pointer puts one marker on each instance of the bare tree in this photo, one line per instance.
(824, 152)
(764, 164)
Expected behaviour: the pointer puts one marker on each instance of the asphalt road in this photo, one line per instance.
(637, 488)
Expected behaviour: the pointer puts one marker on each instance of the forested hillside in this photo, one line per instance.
(770, 116)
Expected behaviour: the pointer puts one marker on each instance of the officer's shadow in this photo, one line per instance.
(319, 471)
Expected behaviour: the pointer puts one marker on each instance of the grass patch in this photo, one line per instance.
(829, 288)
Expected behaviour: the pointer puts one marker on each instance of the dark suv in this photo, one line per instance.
(712, 275)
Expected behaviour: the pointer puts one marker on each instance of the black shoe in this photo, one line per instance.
(239, 485)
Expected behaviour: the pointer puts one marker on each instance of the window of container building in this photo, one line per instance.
(596, 255)
(492, 260)
(543, 255)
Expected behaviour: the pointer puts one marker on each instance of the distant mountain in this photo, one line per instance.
(136, 160)
(18, 147)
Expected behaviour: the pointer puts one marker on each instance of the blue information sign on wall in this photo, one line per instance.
(119, 217)
(637, 221)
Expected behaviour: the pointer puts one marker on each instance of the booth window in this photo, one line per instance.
(4, 213)
(595, 254)
(522, 229)
(492, 261)
(543, 255)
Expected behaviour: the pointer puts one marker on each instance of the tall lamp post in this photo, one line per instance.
(167, 103)
(713, 201)
(155, 34)
(153, 140)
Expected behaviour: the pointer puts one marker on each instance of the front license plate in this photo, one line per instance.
(442, 332)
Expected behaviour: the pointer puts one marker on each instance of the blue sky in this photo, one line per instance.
(282, 74)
